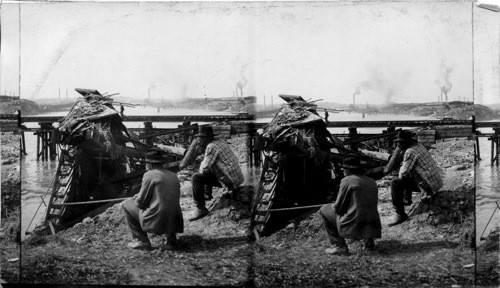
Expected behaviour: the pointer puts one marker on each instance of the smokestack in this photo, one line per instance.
(149, 93)
(272, 101)
(59, 94)
(264, 100)
(354, 100)
(66, 94)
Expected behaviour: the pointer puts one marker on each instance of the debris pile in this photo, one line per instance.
(100, 160)
(301, 166)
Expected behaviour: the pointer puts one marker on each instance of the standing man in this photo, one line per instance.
(418, 172)
(354, 213)
(219, 167)
(156, 208)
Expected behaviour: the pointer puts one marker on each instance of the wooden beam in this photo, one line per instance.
(169, 131)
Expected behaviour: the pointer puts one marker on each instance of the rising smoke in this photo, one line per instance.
(243, 81)
(364, 85)
(444, 82)
(379, 83)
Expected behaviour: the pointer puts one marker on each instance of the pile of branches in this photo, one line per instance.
(92, 118)
(90, 105)
(281, 132)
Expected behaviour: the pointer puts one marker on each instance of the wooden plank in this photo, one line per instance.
(133, 141)
(170, 131)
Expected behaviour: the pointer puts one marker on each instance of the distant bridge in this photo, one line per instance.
(151, 118)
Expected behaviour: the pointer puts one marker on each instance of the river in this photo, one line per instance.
(487, 189)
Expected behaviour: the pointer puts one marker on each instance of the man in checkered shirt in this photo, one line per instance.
(418, 172)
(219, 167)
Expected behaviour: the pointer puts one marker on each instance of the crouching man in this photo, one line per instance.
(219, 166)
(418, 172)
(354, 213)
(156, 208)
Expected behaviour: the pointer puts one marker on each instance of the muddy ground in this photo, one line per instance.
(212, 251)
(427, 250)
(430, 249)
(488, 270)
(10, 221)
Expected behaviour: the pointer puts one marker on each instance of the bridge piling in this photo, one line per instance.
(148, 128)
(45, 144)
(477, 150)
(495, 148)
(353, 135)
(22, 144)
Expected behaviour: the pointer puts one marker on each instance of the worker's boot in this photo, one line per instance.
(398, 219)
(369, 244)
(199, 213)
(169, 242)
(338, 250)
(137, 244)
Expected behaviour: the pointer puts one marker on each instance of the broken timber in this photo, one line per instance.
(301, 169)
(100, 161)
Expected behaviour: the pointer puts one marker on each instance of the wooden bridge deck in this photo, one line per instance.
(247, 118)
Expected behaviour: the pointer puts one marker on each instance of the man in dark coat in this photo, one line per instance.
(354, 213)
(156, 208)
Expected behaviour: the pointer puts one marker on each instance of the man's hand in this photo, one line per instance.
(387, 170)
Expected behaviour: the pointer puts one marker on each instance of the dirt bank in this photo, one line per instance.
(488, 270)
(11, 190)
(416, 253)
(212, 251)
(215, 250)
(461, 112)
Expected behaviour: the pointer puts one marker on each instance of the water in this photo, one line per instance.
(487, 189)
(36, 177)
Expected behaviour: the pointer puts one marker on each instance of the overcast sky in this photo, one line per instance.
(383, 52)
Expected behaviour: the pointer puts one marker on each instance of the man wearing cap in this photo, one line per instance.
(354, 213)
(156, 208)
(219, 167)
(418, 172)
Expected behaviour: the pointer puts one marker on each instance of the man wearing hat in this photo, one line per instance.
(354, 213)
(219, 167)
(418, 172)
(156, 208)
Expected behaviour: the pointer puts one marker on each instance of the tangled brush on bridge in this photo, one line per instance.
(301, 167)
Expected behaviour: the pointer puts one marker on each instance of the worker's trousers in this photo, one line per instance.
(199, 181)
(132, 217)
(401, 189)
(330, 222)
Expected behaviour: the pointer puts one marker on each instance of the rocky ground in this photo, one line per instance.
(10, 221)
(427, 250)
(212, 251)
(488, 270)
(431, 249)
